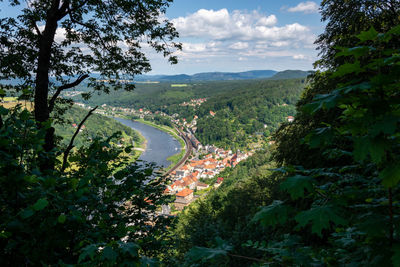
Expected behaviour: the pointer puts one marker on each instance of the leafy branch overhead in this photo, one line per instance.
(56, 45)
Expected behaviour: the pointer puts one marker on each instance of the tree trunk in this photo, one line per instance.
(42, 113)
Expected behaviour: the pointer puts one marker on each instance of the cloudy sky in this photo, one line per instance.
(235, 35)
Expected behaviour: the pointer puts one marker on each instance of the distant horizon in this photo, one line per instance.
(234, 36)
(219, 71)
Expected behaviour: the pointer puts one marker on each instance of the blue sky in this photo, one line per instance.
(237, 35)
(224, 35)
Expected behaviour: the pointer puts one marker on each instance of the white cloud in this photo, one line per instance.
(239, 45)
(305, 7)
(222, 25)
(241, 27)
(267, 21)
(299, 56)
(220, 39)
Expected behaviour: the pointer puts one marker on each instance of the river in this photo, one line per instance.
(160, 145)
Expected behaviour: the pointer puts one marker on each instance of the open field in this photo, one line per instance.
(179, 85)
(12, 103)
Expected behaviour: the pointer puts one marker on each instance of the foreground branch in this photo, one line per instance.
(71, 143)
(244, 257)
(65, 87)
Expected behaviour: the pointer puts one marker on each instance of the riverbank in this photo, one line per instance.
(176, 157)
(139, 147)
(163, 143)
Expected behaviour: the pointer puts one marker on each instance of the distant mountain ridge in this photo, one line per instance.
(224, 76)
(207, 76)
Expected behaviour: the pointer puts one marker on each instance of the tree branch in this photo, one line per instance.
(88, 27)
(70, 10)
(71, 143)
(62, 11)
(64, 87)
(244, 257)
(37, 29)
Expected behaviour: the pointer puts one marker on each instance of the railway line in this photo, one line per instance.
(188, 145)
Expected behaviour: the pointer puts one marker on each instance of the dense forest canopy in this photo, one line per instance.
(242, 108)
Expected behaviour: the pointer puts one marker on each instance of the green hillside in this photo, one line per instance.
(243, 108)
(95, 125)
(256, 109)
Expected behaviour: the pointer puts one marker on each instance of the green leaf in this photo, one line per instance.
(377, 150)
(355, 51)
(390, 175)
(396, 255)
(40, 204)
(296, 185)
(201, 253)
(26, 213)
(62, 218)
(275, 213)
(361, 148)
(197, 254)
(387, 126)
(3, 110)
(148, 262)
(369, 35)
(88, 251)
(24, 115)
(394, 30)
(347, 68)
(320, 218)
(109, 254)
(129, 248)
(319, 137)
(355, 88)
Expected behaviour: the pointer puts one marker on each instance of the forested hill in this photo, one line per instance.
(249, 109)
(253, 110)
(223, 76)
(164, 95)
(210, 76)
(95, 125)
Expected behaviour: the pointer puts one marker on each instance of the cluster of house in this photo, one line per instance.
(72, 93)
(194, 102)
(110, 110)
(186, 179)
(74, 125)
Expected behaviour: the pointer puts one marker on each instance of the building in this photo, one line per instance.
(219, 182)
(201, 186)
(183, 198)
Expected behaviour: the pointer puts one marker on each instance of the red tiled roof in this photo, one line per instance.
(185, 167)
(211, 166)
(184, 193)
(202, 185)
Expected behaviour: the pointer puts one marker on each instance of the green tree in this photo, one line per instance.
(98, 212)
(344, 18)
(55, 45)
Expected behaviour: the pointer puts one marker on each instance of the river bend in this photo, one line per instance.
(160, 145)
